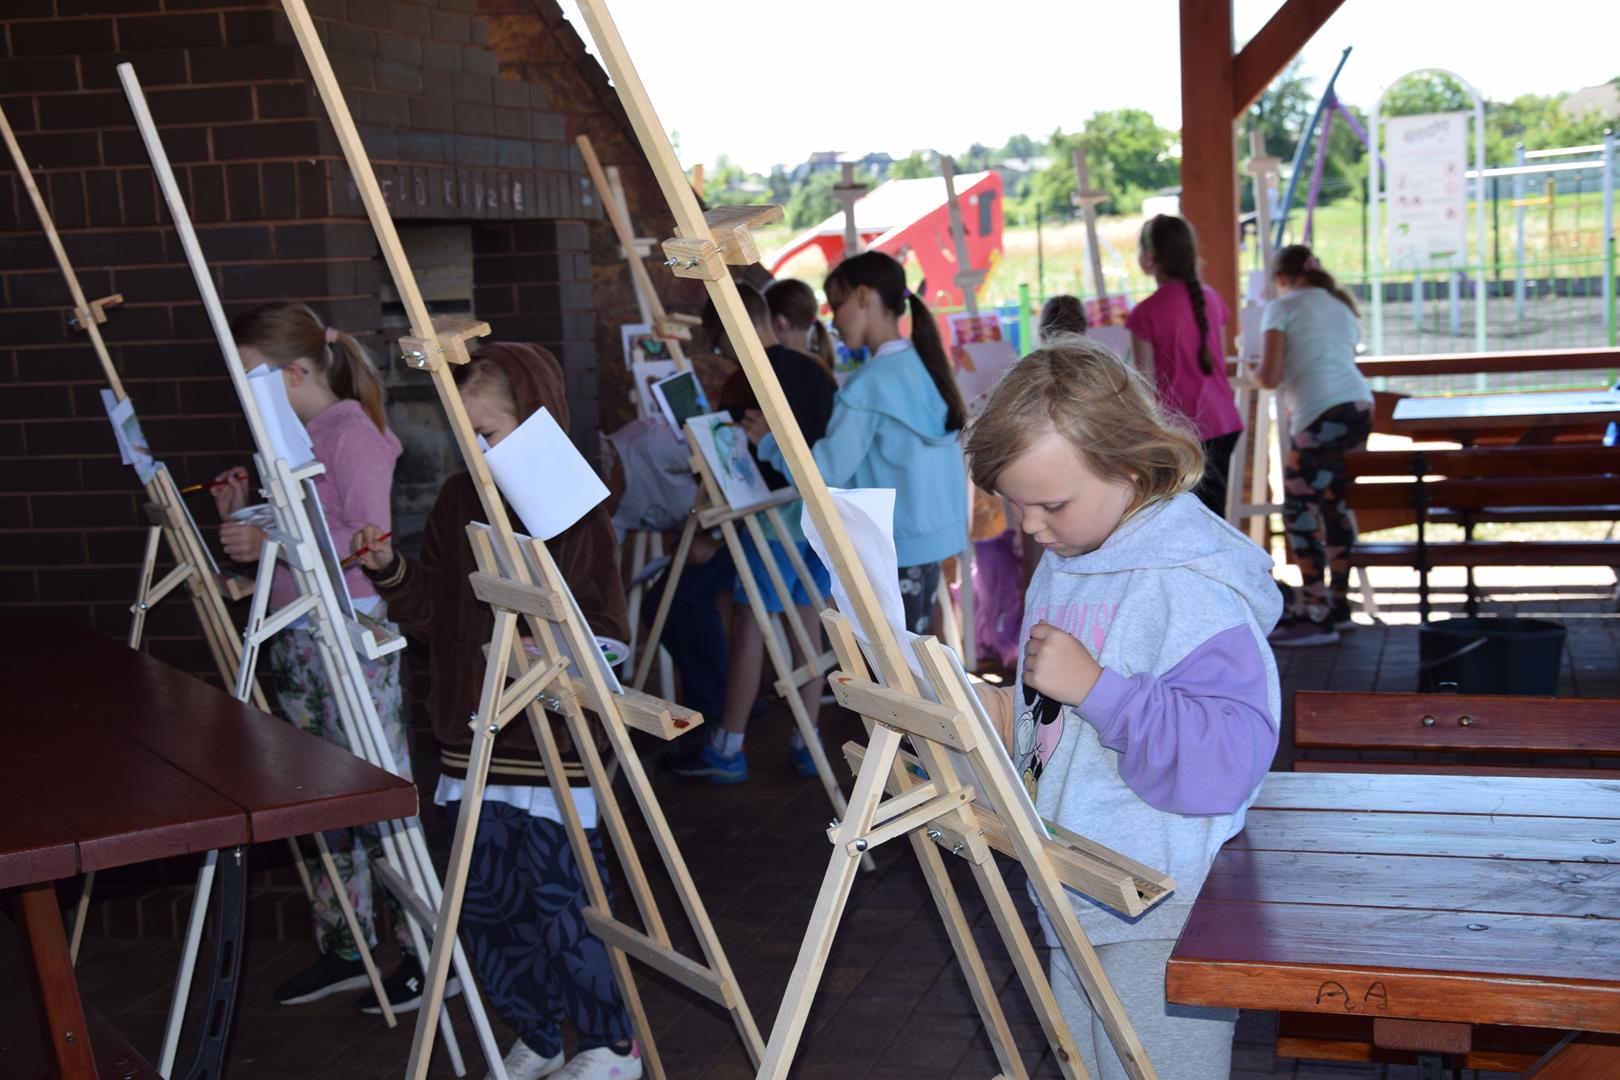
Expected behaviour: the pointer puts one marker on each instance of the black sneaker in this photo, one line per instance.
(329, 975)
(1339, 616)
(404, 989)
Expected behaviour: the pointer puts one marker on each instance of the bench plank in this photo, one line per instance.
(1491, 553)
(1469, 836)
(1461, 768)
(1402, 881)
(33, 845)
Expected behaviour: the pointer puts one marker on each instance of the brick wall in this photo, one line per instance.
(458, 136)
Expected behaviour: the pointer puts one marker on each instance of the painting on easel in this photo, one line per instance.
(724, 447)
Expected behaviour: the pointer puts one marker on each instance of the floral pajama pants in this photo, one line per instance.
(306, 699)
(523, 922)
(1318, 523)
(918, 585)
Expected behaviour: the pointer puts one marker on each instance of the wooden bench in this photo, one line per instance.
(1485, 727)
(1502, 734)
(1551, 483)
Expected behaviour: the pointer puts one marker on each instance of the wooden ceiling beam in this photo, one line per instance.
(1270, 50)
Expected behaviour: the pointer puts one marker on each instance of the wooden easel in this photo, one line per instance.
(170, 524)
(406, 869)
(969, 281)
(932, 813)
(522, 581)
(714, 512)
(672, 330)
(1088, 200)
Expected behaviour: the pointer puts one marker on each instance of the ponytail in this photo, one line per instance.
(886, 277)
(287, 331)
(821, 346)
(352, 377)
(926, 340)
(795, 302)
(1296, 263)
(1174, 248)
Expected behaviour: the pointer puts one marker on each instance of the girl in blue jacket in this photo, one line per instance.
(896, 423)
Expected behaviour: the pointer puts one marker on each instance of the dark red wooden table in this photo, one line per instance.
(108, 757)
(1444, 900)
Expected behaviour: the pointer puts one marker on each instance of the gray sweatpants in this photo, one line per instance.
(1183, 1042)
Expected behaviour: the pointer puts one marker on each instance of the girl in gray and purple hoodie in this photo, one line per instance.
(1146, 710)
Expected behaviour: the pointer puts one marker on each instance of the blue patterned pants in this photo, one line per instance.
(523, 924)
(1316, 518)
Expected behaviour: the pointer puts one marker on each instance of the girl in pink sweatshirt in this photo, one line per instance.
(336, 393)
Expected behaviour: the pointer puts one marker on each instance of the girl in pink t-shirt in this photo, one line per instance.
(1176, 341)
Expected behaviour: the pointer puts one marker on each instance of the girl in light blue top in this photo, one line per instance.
(896, 423)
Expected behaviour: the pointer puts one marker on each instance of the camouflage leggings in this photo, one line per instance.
(1319, 524)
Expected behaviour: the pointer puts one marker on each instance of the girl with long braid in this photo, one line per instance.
(1176, 342)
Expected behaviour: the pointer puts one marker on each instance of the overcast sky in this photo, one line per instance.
(768, 81)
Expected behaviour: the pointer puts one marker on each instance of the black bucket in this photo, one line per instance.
(1490, 656)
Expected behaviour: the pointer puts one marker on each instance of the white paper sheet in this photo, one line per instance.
(868, 517)
(133, 449)
(544, 476)
(724, 446)
(288, 439)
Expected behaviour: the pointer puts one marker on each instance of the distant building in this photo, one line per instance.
(1602, 100)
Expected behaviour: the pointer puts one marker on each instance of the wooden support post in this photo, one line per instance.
(1088, 199)
(1209, 200)
(969, 281)
(848, 192)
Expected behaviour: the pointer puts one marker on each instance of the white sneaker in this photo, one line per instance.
(523, 1063)
(603, 1063)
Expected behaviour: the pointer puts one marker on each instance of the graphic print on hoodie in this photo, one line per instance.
(1165, 754)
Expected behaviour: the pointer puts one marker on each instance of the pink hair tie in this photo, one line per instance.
(331, 334)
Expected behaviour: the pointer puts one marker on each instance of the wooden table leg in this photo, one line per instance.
(56, 990)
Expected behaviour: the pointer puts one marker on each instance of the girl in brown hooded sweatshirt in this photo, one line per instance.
(522, 918)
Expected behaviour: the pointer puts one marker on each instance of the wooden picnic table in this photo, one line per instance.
(1429, 903)
(111, 758)
(1538, 417)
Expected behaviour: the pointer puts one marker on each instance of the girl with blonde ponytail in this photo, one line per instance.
(338, 395)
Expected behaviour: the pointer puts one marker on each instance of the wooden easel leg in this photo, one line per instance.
(967, 950)
(137, 623)
(472, 804)
(672, 578)
(81, 912)
(831, 901)
(188, 964)
(355, 931)
(1059, 909)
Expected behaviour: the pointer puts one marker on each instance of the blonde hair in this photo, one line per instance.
(288, 331)
(1102, 406)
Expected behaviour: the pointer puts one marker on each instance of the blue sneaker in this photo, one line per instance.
(711, 765)
(803, 763)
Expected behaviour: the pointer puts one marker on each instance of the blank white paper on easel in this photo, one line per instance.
(544, 476)
(288, 439)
